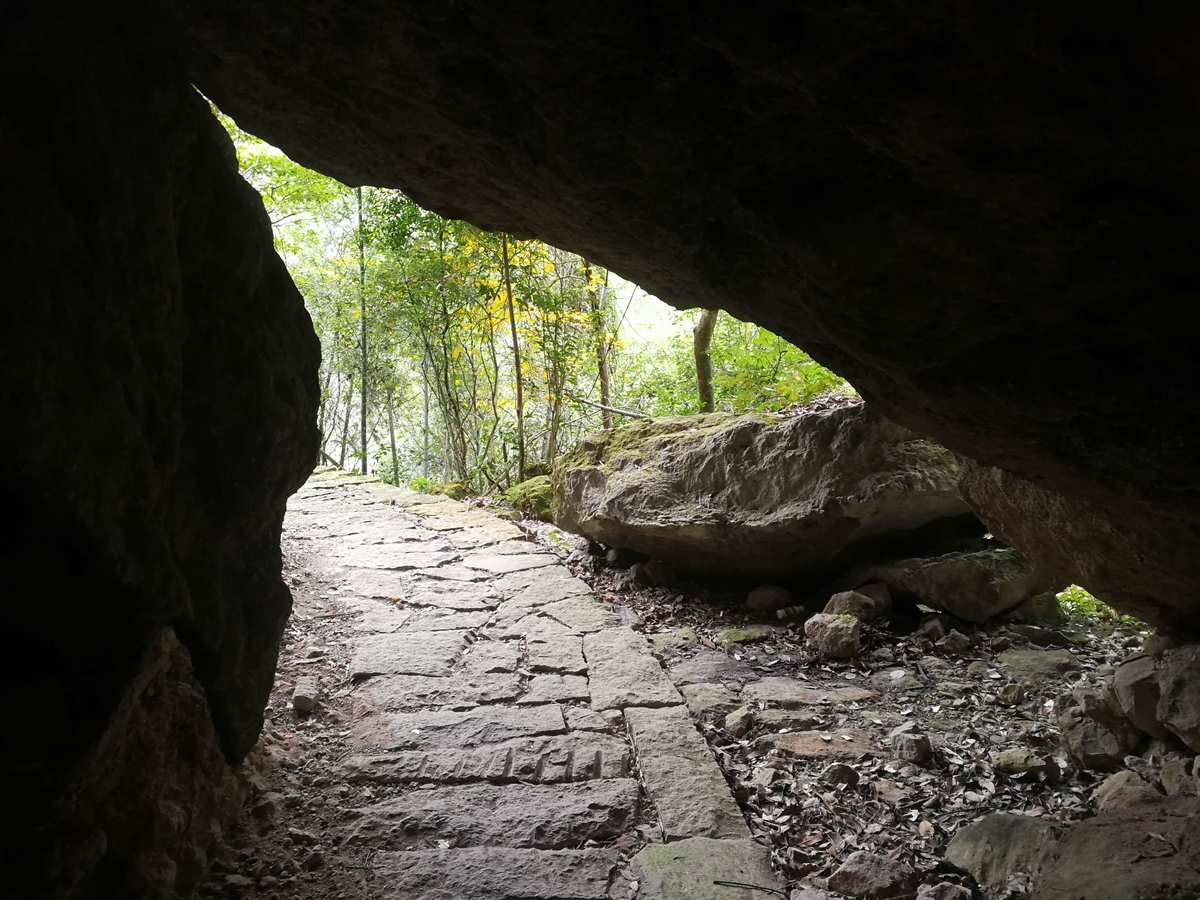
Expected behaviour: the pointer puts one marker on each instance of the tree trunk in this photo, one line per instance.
(702, 336)
(425, 425)
(392, 437)
(346, 423)
(516, 348)
(362, 324)
(597, 305)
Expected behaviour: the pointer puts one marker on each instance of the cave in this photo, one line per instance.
(982, 217)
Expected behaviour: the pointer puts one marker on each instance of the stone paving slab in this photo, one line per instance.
(488, 714)
(502, 563)
(394, 556)
(435, 619)
(401, 693)
(466, 728)
(551, 687)
(819, 744)
(622, 672)
(534, 587)
(407, 653)
(680, 773)
(448, 594)
(563, 655)
(548, 760)
(792, 692)
(686, 870)
(483, 657)
(494, 873)
(581, 614)
(547, 817)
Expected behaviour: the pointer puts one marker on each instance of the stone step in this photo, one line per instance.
(494, 873)
(549, 760)
(463, 728)
(544, 817)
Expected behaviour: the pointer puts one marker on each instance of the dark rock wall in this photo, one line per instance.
(980, 215)
(158, 401)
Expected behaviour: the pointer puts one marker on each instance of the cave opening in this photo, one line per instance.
(981, 219)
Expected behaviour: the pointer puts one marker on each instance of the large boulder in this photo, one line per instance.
(975, 586)
(761, 494)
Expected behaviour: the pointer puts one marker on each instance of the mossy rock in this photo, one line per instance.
(728, 637)
(534, 497)
(455, 490)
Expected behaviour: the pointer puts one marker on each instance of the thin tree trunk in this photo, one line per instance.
(392, 437)
(425, 424)
(516, 347)
(362, 323)
(346, 423)
(702, 336)
(597, 305)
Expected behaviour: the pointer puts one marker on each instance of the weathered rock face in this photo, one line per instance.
(926, 197)
(160, 387)
(1139, 556)
(975, 586)
(760, 494)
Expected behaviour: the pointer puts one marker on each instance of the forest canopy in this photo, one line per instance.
(487, 356)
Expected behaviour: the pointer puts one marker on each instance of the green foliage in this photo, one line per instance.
(753, 370)
(1081, 605)
(440, 370)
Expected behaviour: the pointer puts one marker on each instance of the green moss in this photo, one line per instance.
(728, 637)
(455, 490)
(533, 497)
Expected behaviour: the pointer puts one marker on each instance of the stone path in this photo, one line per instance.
(515, 738)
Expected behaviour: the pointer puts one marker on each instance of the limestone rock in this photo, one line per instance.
(703, 699)
(873, 877)
(739, 721)
(819, 744)
(1032, 664)
(855, 603)
(975, 586)
(912, 748)
(1145, 850)
(1095, 732)
(1179, 694)
(306, 694)
(1124, 789)
(1136, 687)
(833, 636)
(768, 598)
(745, 634)
(1040, 609)
(780, 690)
(999, 845)
(756, 494)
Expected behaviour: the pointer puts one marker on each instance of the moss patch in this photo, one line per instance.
(533, 497)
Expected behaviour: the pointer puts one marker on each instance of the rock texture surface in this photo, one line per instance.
(759, 495)
(482, 758)
(971, 274)
(975, 586)
(161, 373)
